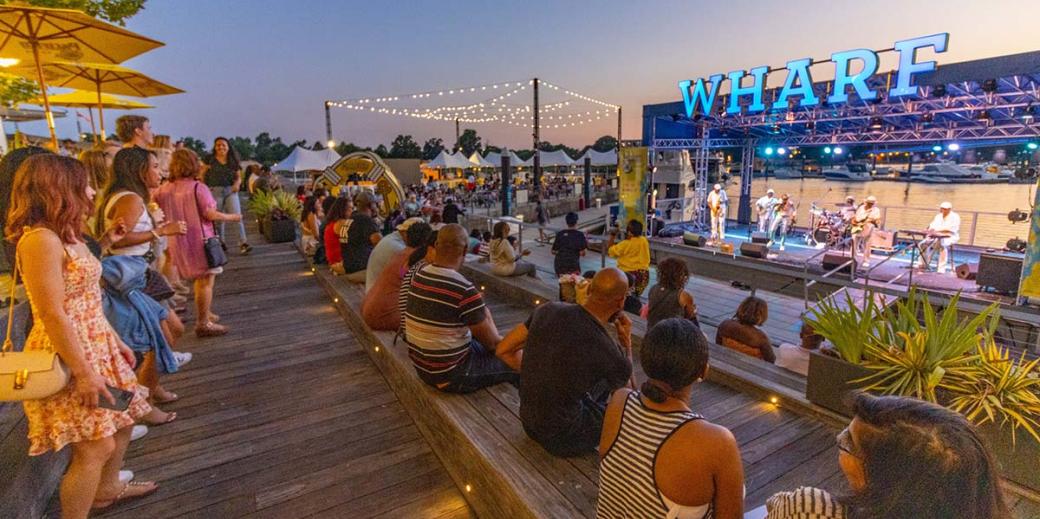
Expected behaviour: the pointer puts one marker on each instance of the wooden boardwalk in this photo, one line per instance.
(286, 416)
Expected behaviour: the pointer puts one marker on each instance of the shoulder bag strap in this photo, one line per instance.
(202, 226)
(8, 345)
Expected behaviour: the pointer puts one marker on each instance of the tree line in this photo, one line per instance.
(269, 150)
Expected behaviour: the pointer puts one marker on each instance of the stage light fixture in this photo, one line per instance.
(989, 85)
(1032, 145)
(939, 91)
(937, 148)
(953, 146)
(811, 125)
(927, 117)
(983, 115)
(876, 123)
(838, 150)
(781, 151)
(827, 150)
(768, 150)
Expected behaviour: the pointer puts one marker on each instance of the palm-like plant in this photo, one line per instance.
(846, 325)
(914, 368)
(287, 204)
(261, 203)
(1003, 392)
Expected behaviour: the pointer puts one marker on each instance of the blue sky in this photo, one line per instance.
(266, 65)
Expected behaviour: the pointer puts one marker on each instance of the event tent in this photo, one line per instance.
(599, 158)
(302, 159)
(481, 162)
(449, 160)
(551, 159)
(495, 158)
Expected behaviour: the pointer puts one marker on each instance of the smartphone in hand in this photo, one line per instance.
(122, 399)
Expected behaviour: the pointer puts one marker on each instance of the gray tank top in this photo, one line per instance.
(664, 304)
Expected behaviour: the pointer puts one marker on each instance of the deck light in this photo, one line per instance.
(469, 488)
(335, 300)
(774, 400)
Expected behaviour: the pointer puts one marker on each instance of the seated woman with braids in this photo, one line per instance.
(904, 457)
(659, 458)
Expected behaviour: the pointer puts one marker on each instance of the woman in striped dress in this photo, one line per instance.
(659, 458)
(904, 457)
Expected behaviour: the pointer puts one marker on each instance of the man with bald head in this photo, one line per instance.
(571, 365)
(450, 333)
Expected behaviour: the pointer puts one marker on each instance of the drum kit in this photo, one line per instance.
(826, 228)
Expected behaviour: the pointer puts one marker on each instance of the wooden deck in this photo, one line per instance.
(286, 416)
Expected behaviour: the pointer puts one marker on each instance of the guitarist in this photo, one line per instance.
(866, 219)
(717, 202)
(943, 232)
(782, 220)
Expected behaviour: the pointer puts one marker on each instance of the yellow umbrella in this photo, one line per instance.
(100, 77)
(43, 35)
(89, 100)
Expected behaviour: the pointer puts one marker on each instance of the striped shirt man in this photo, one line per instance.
(442, 305)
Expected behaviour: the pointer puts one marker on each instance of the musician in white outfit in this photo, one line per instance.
(717, 202)
(764, 207)
(943, 232)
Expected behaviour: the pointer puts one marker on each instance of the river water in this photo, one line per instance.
(910, 205)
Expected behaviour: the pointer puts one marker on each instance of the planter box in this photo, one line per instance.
(1017, 461)
(280, 231)
(261, 224)
(830, 380)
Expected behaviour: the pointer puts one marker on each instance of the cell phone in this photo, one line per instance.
(122, 399)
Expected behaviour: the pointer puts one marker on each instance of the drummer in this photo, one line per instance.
(848, 209)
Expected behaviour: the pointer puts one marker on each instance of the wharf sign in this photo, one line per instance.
(699, 96)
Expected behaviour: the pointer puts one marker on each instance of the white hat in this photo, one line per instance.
(718, 186)
(770, 191)
(945, 205)
(403, 226)
(871, 198)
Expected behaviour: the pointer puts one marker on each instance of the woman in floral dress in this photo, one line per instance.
(50, 199)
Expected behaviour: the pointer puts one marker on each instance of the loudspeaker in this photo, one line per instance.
(753, 250)
(759, 237)
(967, 270)
(693, 239)
(726, 248)
(999, 272)
(831, 261)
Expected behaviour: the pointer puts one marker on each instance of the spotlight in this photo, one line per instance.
(1029, 112)
(838, 150)
(937, 148)
(1032, 145)
(827, 150)
(876, 123)
(927, 117)
(776, 128)
(811, 125)
(953, 146)
(781, 151)
(989, 85)
(768, 150)
(939, 91)
(331, 144)
(983, 115)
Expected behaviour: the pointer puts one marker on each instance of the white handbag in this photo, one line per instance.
(28, 375)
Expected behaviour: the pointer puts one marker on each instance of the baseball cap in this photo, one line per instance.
(871, 198)
(403, 226)
(945, 205)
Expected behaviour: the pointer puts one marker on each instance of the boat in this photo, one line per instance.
(848, 172)
(785, 173)
(950, 172)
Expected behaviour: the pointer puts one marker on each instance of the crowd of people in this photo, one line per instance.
(109, 247)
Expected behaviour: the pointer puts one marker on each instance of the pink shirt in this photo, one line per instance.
(188, 200)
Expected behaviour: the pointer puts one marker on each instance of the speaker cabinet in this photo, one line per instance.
(831, 261)
(754, 250)
(693, 239)
(759, 237)
(999, 272)
(968, 270)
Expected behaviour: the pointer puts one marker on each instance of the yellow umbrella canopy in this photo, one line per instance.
(100, 77)
(42, 35)
(84, 99)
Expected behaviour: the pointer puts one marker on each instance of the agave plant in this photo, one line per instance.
(261, 203)
(1002, 392)
(287, 204)
(914, 368)
(847, 325)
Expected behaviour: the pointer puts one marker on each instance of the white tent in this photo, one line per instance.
(449, 160)
(302, 159)
(551, 159)
(481, 162)
(599, 158)
(495, 158)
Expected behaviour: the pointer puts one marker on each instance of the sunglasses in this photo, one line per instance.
(845, 443)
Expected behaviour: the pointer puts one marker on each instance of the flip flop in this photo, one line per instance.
(170, 416)
(122, 495)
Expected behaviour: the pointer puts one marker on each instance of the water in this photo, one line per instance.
(910, 205)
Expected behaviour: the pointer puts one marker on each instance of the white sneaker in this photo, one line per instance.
(182, 358)
(781, 247)
(126, 476)
(138, 432)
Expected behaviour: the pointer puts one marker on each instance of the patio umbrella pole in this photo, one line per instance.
(43, 90)
(100, 111)
(93, 128)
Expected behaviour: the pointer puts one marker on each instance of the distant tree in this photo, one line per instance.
(195, 145)
(469, 141)
(317, 146)
(115, 11)
(345, 148)
(524, 154)
(382, 151)
(492, 149)
(605, 143)
(245, 148)
(432, 148)
(15, 90)
(404, 147)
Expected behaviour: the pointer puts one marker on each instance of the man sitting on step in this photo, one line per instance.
(571, 365)
(450, 333)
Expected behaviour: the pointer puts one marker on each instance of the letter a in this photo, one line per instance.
(797, 70)
(700, 96)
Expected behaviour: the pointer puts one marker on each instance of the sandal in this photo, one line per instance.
(210, 330)
(171, 397)
(170, 416)
(131, 490)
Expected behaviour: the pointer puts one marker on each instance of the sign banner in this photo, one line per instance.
(1030, 286)
(633, 185)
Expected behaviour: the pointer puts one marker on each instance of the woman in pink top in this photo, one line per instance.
(186, 199)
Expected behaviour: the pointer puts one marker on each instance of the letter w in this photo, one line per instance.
(700, 96)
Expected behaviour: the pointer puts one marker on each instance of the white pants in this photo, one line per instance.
(718, 227)
(929, 246)
(763, 222)
(861, 244)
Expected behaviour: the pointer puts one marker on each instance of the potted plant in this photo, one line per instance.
(260, 205)
(277, 213)
(848, 327)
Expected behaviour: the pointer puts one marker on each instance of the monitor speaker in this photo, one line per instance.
(759, 237)
(968, 270)
(693, 239)
(999, 272)
(832, 261)
(753, 250)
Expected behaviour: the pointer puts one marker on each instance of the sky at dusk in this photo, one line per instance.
(263, 65)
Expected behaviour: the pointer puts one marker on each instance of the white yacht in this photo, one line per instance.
(949, 172)
(785, 173)
(849, 172)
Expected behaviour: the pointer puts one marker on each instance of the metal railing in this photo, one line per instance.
(551, 230)
(808, 280)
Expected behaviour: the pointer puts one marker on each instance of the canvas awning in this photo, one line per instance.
(481, 162)
(302, 159)
(445, 160)
(599, 158)
(551, 159)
